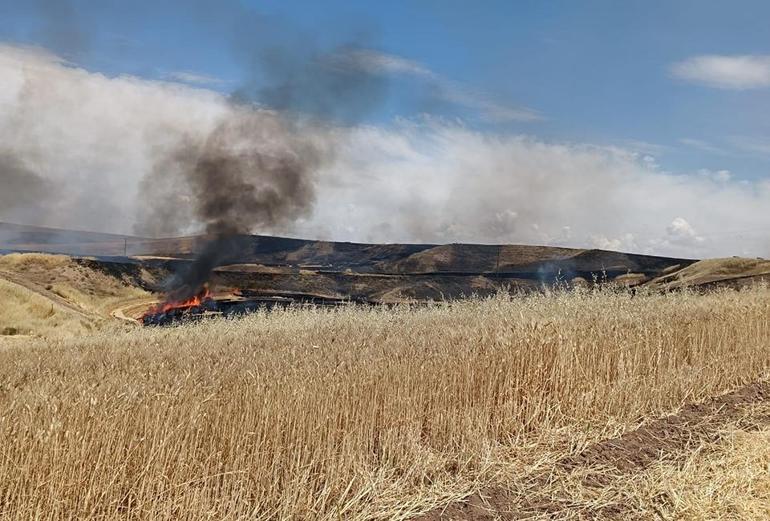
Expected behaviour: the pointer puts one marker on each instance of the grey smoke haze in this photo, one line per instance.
(255, 168)
(288, 69)
(308, 82)
(254, 171)
(24, 194)
(251, 171)
(91, 137)
(97, 138)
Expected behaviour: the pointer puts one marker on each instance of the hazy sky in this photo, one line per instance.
(652, 114)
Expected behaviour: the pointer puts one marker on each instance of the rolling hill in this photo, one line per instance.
(105, 275)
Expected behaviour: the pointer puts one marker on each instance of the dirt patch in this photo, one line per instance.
(671, 438)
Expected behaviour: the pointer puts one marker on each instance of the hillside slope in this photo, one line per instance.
(55, 295)
(733, 271)
(468, 259)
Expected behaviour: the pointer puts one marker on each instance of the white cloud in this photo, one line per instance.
(625, 242)
(428, 180)
(377, 62)
(725, 72)
(681, 231)
(488, 108)
(643, 147)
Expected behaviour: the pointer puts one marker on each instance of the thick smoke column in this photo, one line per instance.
(253, 171)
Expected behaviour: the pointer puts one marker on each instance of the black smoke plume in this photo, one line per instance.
(255, 171)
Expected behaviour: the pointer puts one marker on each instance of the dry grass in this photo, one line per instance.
(23, 261)
(709, 270)
(725, 479)
(353, 414)
(728, 480)
(24, 312)
(52, 295)
(724, 473)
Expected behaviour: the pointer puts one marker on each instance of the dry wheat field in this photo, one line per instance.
(382, 413)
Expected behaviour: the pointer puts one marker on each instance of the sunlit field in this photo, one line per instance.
(357, 413)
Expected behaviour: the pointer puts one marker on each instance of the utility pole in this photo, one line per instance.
(125, 247)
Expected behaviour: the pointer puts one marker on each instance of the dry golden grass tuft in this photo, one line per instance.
(357, 413)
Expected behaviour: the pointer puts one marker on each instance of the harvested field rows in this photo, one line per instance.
(357, 413)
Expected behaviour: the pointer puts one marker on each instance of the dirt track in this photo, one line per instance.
(669, 438)
(40, 290)
(131, 309)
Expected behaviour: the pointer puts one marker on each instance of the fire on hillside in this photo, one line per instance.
(202, 299)
(239, 302)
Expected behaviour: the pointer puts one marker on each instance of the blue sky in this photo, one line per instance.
(592, 71)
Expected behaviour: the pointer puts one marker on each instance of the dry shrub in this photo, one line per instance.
(357, 413)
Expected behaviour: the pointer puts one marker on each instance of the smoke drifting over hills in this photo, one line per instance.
(22, 188)
(99, 147)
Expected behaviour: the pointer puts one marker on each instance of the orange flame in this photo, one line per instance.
(191, 302)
